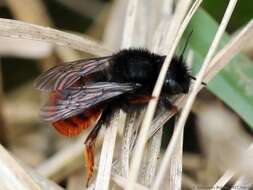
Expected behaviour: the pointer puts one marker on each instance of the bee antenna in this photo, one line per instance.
(193, 78)
(186, 43)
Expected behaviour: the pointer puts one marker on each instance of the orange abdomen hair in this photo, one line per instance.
(75, 125)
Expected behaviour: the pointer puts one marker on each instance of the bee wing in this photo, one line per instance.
(74, 100)
(63, 76)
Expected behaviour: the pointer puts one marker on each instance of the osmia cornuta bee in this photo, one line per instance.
(83, 91)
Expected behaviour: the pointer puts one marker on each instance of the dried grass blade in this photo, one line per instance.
(21, 11)
(175, 169)
(63, 162)
(168, 27)
(223, 57)
(179, 127)
(154, 16)
(114, 29)
(24, 48)
(130, 128)
(243, 182)
(121, 181)
(127, 41)
(163, 117)
(173, 27)
(105, 163)
(41, 180)
(162, 27)
(133, 16)
(141, 25)
(174, 176)
(153, 147)
(130, 19)
(153, 152)
(235, 45)
(137, 156)
(229, 174)
(21, 30)
(224, 179)
(13, 176)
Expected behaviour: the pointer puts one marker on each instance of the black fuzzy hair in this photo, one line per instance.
(136, 65)
(179, 71)
(135, 53)
(142, 66)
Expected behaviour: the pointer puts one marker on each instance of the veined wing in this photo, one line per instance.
(63, 76)
(74, 100)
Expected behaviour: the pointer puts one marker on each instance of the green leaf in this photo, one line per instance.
(242, 14)
(234, 84)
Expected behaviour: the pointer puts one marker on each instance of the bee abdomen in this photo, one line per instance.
(75, 125)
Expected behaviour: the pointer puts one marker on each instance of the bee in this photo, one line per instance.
(83, 91)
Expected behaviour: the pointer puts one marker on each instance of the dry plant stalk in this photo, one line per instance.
(24, 48)
(13, 176)
(121, 181)
(243, 182)
(169, 56)
(235, 45)
(17, 29)
(105, 165)
(224, 179)
(174, 177)
(130, 19)
(135, 22)
(21, 10)
(142, 139)
(130, 128)
(191, 97)
(219, 61)
(175, 174)
(167, 27)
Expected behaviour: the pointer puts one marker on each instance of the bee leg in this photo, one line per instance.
(89, 151)
(140, 99)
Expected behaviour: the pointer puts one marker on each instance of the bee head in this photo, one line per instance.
(177, 78)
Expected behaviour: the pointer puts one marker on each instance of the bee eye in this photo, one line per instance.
(172, 87)
(171, 82)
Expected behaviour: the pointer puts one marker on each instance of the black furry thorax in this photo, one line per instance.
(143, 67)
